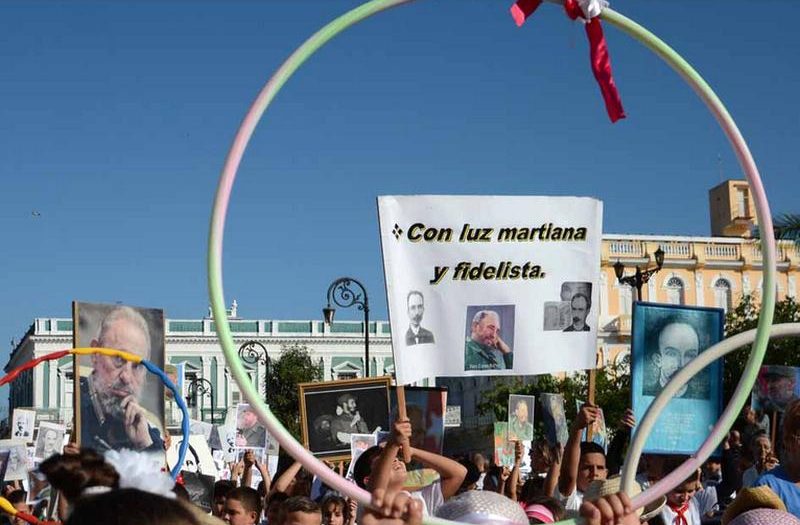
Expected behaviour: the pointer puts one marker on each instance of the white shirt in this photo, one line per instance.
(692, 514)
(431, 498)
(572, 502)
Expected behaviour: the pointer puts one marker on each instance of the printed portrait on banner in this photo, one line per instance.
(665, 339)
(119, 404)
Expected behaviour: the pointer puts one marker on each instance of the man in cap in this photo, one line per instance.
(348, 420)
(778, 385)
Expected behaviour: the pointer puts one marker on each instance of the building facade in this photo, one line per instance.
(703, 271)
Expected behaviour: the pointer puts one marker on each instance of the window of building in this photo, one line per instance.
(742, 203)
(347, 375)
(675, 291)
(723, 297)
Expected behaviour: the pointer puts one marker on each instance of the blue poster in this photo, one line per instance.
(664, 339)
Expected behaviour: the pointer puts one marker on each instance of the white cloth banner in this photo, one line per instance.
(482, 285)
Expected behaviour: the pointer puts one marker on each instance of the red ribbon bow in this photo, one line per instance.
(601, 63)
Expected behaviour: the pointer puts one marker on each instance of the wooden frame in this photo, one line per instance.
(319, 420)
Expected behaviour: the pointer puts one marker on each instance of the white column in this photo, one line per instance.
(699, 291)
(603, 293)
(53, 384)
(652, 294)
(326, 374)
(219, 388)
(792, 290)
(38, 386)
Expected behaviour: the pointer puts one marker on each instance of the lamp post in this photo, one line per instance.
(253, 353)
(344, 296)
(641, 276)
(201, 386)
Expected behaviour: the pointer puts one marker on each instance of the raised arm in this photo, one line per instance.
(572, 451)
(285, 480)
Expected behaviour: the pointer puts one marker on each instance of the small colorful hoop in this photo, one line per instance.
(110, 352)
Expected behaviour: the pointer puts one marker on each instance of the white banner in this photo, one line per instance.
(482, 285)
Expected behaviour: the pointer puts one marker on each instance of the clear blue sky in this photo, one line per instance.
(116, 117)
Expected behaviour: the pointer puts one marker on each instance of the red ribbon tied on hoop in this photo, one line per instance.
(601, 62)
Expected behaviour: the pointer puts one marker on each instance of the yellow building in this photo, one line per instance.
(702, 271)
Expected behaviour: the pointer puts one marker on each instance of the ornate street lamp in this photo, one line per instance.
(641, 276)
(201, 387)
(340, 293)
(254, 353)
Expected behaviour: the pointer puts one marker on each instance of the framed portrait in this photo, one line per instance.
(17, 459)
(520, 417)
(503, 448)
(554, 418)
(664, 339)
(489, 333)
(425, 408)
(117, 403)
(49, 440)
(776, 387)
(331, 411)
(200, 488)
(22, 424)
(250, 432)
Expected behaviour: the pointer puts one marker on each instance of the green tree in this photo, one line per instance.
(294, 366)
(779, 352)
(612, 392)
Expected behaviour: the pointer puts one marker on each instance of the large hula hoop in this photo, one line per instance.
(649, 40)
(133, 358)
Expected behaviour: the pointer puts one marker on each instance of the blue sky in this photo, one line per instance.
(116, 117)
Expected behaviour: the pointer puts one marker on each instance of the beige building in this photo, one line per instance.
(702, 271)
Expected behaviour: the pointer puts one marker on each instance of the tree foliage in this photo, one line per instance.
(612, 392)
(779, 352)
(294, 366)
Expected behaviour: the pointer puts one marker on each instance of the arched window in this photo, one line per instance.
(675, 291)
(723, 297)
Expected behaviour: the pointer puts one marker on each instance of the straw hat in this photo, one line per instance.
(752, 498)
(765, 516)
(601, 488)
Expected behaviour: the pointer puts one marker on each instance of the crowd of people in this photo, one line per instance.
(748, 482)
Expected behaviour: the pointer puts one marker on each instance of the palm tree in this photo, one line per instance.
(787, 226)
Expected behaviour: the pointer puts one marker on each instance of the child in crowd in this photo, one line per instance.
(382, 470)
(242, 506)
(582, 462)
(335, 511)
(681, 508)
(300, 510)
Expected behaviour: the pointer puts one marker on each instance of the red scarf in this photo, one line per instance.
(680, 519)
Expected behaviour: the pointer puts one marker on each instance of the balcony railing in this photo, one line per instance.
(624, 248)
(677, 250)
(725, 252)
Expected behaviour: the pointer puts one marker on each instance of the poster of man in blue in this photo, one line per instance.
(664, 339)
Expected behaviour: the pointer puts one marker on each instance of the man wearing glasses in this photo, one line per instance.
(111, 417)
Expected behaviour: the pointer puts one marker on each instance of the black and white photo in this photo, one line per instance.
(49, 440)
(416, 334)
(17, 459)
(330, 412)
(22, 424)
